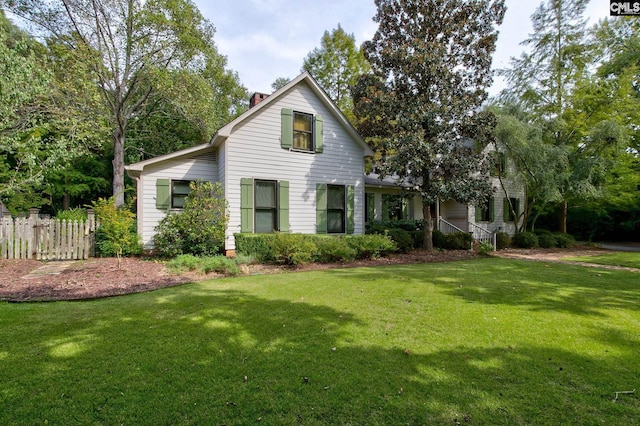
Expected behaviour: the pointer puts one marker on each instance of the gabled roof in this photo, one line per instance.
(136, 168)
(305, 77)
(222, 134)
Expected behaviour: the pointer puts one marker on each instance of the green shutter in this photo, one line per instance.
(286, 128)
(246, 205)
(507, 209)
(371, 206)
(478, 214)
(351, 209)
(283, 207)
(385, 206)
(516, 207)
(163, 194)
(318, 133)
(321, 208)
(492, 214)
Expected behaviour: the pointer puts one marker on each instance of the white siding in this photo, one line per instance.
(253, 151)
(177, 169)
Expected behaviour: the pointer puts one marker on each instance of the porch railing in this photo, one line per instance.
(447, 227)
(482, 235)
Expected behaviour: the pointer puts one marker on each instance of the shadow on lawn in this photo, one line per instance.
(552, 287)
(197, 355)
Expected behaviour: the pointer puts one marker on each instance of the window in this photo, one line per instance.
(369, 207)
(179, 191)
(266, 209)
(264, 205)
(508, 214)
(499, 166)
(301, 131)
(393, 207)
(484, 213)
(335, 209)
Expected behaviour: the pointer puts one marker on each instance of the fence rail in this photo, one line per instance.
(46, 239)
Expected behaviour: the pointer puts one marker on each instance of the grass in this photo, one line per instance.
(628, 259)
(490, 341)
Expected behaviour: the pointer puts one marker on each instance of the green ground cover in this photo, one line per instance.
(618, 258)
(489, 341)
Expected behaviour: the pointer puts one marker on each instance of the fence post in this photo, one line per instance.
(90, 228)
(33, 221)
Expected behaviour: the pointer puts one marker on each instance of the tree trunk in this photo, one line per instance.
(66, 201)
(118, 166)
(563, 216)
(428, 227)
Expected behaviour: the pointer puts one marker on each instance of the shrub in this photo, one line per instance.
(503, 240)
(379, 226)
(371, 246)
(257, 246)
(77, 213)
(565, 240)
(220, 264)
(485, 248)
(525, 240)
(456, 241)
(333, 249)
(402, 238)
(293, 249)
(116, 235)
(547, 240)
(200, 228)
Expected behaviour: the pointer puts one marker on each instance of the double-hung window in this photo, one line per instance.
(485, 212)
(266, 207)
(179, 191)
(301, 131)
(336, 211)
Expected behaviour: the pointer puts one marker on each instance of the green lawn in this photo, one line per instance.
(484, 342)
(628, 259)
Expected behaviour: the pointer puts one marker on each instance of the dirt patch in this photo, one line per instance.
(101, 277)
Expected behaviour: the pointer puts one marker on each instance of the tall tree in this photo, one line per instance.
(132, 48)
(336, 65)
(38, 135)
(431, 62)
(553, 83)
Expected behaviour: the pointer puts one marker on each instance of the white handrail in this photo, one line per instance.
(483, 235)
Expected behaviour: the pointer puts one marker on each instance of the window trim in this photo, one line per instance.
(343, 210)
(173, 195)
(275, 208)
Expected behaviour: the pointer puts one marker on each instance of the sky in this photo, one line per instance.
(267, 39)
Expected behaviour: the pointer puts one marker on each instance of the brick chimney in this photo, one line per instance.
(256, 98)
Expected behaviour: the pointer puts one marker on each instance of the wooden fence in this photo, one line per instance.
(46, 239)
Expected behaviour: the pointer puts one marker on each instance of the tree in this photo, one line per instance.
(37, 136)
(431, 65)
(553, 84)
(279, 83)
(135, 50)
(336, 66)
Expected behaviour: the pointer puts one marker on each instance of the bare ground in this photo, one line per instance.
(22, 280)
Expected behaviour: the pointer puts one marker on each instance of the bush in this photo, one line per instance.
(565, 240)
(547, 240)
(371, 246)
(77, 213)
(485, 248)
(456, 241)
(525, 240)
(293, 249)
(220, 264)
(200, 228)
(257, 246)
(503, 240)
(116, 235)
(402, 238)
(333, 249)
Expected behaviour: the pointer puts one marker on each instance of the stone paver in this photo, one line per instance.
(51, 268)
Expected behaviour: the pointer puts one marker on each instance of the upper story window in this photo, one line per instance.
(303, 131)
(179, 191)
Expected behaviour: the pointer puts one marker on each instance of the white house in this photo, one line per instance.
(291, 163)
(385, 200)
